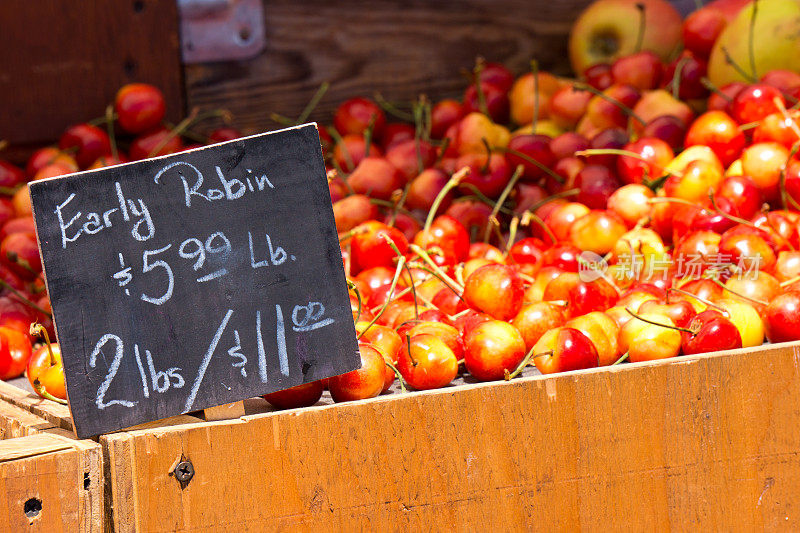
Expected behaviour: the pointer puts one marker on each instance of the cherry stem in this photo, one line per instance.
(736, 293)
(194, 117)
(37, 330)
(622, 359)
(452, 183)
(789, 281)
(312, 104)
(525, 157)
(398, 375)
(698, 298)
(397, 251)
(535, 72)
(480, 64)
(397, 273)
(737, 68)
(485, 167)
(427, 258)
(653, 322)
(714, 89)
(512, 234)
(625, 109)
(477, 194)
(353, 287)
(358, 230)
(14, 258)
(520, 367)
(111, 135)
(392, 109)
(506, 191)
(368, 135)
(337, 139)
(751, 35)
(640, 36)
(24, 299)
(41, 391)
(676, 77)
(528, 217)
(398, 207)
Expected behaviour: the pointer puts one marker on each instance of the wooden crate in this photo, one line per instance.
(49, 481)
(704, 442)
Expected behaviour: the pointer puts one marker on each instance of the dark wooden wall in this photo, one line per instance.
(62, 61)
(397, 47)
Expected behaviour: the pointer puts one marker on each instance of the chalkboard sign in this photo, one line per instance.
(194, 280)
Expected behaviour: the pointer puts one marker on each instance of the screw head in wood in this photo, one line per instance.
(184, 471)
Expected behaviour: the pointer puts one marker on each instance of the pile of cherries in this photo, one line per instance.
(132, 128)
(636, 214)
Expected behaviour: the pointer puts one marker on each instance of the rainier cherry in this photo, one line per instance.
(782, 317)
(563, 349)
(427, 362)
(496, 290)
(491, 348)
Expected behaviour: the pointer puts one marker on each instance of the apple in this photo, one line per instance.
(609, 29)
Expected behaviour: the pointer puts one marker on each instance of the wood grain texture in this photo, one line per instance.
(398, 48)
(701, 443)
(18, 422)
(63, 474)
(63, 65)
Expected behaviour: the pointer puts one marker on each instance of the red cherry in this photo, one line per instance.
(656, 154)
(303, 395)
(443, 115)
(489, 179)
(755, 102)
(496, 290)
(354, 116)
(223, 134)
(376, 177)
(563, 349)
(668, 128)
(366, 382)
(599, 76)
(782, 317)
(369, 247)
(692, 71)
(427, 362)
(154, 143)
(395, 133)
(596, 184)
(10, 175)
(719, 132)
(496, 100)
(491, 348)
(701, 29)
(535, 147)
(139, 107)
(712, 332)
(641, 70)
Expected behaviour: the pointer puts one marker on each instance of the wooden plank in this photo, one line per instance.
(224, 412)
(400, 49)
(707, 442)
(64, 65)
(17, 422)
(53, 412)
(50, 483)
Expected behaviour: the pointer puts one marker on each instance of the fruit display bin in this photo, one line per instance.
(697, 442)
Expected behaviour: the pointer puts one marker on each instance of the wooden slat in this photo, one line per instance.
(53, 412)
(700, 443)
(62, 474)
(399, 48)
(62, 65)
(17, 422)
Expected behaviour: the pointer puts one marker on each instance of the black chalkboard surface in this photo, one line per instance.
(194, 280)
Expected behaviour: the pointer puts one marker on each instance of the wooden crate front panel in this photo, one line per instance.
(698, 443)
(63, 474)
(398, 48)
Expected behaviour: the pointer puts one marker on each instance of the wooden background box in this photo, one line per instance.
(67, 63)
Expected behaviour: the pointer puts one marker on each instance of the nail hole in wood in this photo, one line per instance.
(32, 507)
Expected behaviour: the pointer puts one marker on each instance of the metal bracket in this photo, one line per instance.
(221, 30)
